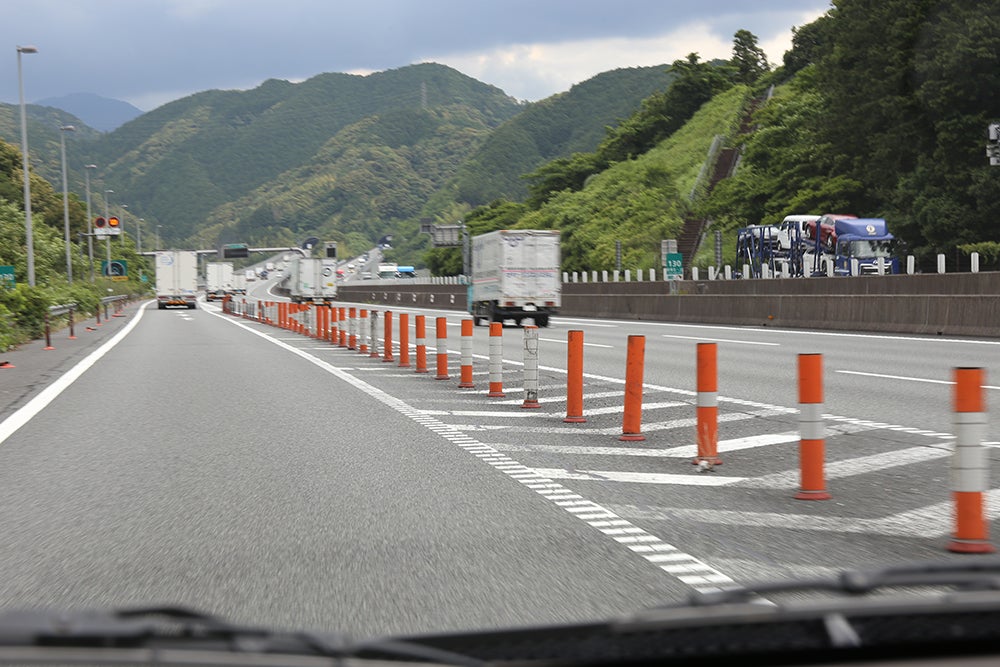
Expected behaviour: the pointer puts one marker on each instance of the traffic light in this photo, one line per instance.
(235, 250)
(331, 249)
(114, 226)
(100, 223)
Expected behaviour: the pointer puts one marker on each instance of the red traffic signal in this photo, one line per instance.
(99, 223)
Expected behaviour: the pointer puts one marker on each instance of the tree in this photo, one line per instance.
(748, 58)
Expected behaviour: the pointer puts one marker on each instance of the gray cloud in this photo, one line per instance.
(151, 51)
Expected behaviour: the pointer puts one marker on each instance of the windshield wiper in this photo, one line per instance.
(163, 630)
(963, 575)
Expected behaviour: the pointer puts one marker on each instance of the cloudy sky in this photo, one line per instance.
(149, 52)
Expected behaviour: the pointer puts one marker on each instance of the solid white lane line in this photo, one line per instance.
(905, 378)
(701, 479)
(721, 340)
(26, 412)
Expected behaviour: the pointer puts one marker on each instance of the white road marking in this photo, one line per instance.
(26, 412)
(701, 479)
(905, 378)
(721, 340)
(639, 542)
(930, 521)
(849, 467)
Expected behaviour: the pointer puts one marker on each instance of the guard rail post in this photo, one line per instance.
(48, 333)
(812, 442)
(531, 367)
(574, 378)
(970, 465)
(708, 406)
(72, 335)
(496, 360)
(632, 414)
(465, 370)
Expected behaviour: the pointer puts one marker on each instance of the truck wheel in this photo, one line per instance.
(161, 306)
(192, 306)
(542, 320)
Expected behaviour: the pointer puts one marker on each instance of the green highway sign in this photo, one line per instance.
(7, 280)
(674, 265)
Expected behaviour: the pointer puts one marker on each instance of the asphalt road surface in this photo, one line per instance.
(239, 468)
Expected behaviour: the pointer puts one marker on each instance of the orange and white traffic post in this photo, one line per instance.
(812, 436)
(707, 405)
(574, 378)
(352, 324)
(404, 340)
(441, 353)
(530, 359)
(420, 338)
(342, 326)
(465, 369)
(496, 360)
(363, 331)
(970, 465)
(635, 359)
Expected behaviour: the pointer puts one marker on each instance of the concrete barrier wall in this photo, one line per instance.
(958, 304)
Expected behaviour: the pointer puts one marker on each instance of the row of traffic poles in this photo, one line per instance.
(347, 328)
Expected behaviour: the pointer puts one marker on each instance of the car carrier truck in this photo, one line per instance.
(176, 278)
(515, 275)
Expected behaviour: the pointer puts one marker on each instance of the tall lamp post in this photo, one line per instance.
(124, 211)
(90, 222)
(138, 227)
(24, 167)
(158, 236)
(62, 147)
(107, 238)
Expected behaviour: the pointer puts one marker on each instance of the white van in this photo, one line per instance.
(793, 227)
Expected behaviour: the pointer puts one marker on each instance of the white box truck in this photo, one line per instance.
(515, 275)
(218, 280)
(313, 279)
(176, 278)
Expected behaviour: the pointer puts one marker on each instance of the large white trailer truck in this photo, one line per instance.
(515, 275)
(218, 280)
(176, 278)
(313, 279)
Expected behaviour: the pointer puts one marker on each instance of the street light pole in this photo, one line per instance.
(107, 239)
(138, 227)
(158, 236)
(122, 226)
(62, 147)
(90, 222)
(29, 240)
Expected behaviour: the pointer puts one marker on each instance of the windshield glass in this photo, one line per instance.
(866, 249)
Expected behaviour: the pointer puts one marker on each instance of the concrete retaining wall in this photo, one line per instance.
(957, 304)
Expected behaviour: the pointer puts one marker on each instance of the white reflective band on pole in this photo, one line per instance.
(811, 426)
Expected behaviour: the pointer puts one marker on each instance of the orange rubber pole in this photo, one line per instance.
(363, 321)
(812, 439)
(352, 337)
(342, 326)
(496, 360)
(421, 343)
(465, 370)
(574, 378)
(632, 414)
(442, 349)
(387, 337)
(404, 340)
(707, 406)
(970, 464)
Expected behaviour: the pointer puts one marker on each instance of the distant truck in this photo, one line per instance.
(515, 275)
(239, 284)
(313, 279)
(388, 271)
(218, 280)
(176, 278)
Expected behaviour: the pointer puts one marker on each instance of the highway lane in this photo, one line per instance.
(449, 509)
(203, 461)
